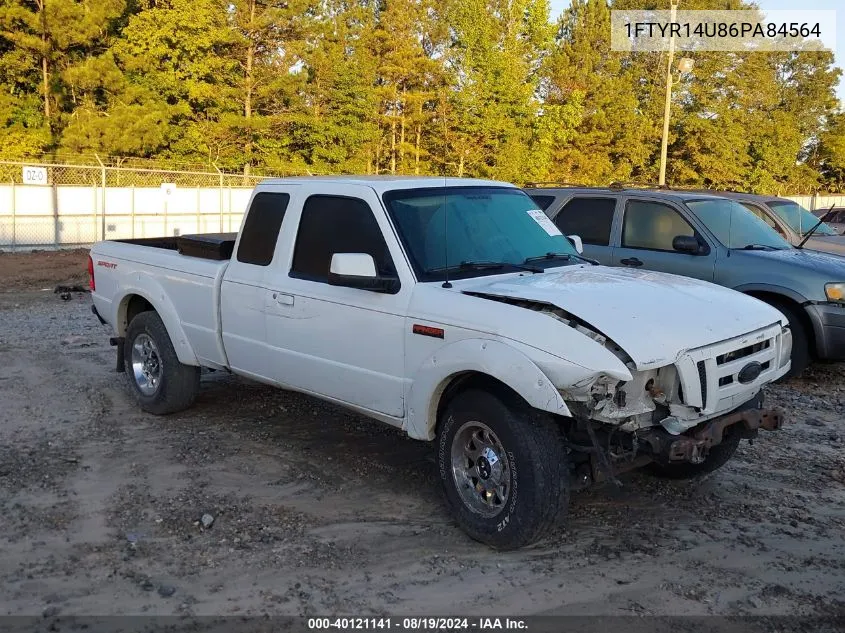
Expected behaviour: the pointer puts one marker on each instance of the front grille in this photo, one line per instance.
(709, 376)
(741, 353)
(702, 377)
(729, 380)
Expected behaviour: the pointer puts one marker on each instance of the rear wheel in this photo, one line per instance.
(161, 383)
(717, 457)
(503, 469)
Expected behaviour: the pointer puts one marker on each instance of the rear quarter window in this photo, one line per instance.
(261, 229)
(589, 218)
(544, 202)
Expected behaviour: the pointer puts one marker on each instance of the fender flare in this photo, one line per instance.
(484, 356)
(772, 289)
(162, 304)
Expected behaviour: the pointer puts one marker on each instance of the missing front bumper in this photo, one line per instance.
(694, 446)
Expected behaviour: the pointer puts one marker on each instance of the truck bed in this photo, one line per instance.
(182, 278)
(216, 246)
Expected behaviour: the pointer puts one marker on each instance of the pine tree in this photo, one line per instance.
(39, 41)
(331, 126)
(405, 40)
(495, 60)
(614, 138)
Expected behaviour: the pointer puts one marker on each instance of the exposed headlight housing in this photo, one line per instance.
(785, 346)
(835, 292)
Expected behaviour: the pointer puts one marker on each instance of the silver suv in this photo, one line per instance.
(715, 239)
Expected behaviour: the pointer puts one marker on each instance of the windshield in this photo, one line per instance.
(735, 226)
(448, 226)
(798, 218)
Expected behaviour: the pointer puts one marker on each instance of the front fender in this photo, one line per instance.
(772, 289)
(147, 287)
(485, 356)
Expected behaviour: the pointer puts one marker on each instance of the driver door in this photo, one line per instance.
(648, 228)
(343, 343)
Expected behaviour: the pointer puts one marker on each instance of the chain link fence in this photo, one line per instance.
(83, 199)
(56, 205)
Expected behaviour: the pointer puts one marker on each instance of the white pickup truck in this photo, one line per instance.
(456, 311)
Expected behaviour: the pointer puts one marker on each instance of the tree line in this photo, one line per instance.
(485, 88)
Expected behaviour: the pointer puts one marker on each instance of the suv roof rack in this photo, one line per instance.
(718, 190)
(554, 183)
(617, 185)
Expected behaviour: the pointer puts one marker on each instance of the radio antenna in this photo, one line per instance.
(446, 283)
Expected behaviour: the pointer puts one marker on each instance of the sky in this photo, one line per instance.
(773, 5)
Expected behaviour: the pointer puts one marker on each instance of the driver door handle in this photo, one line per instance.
(631, 261)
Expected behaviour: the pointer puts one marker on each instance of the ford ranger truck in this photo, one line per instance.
(455, 310)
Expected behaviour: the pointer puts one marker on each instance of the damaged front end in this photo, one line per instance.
(694, 446)
(656, 409)
(701, 384)
(675, 413)
(600, 452)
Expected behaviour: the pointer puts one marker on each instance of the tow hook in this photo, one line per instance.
(698, 453)
(117, 341)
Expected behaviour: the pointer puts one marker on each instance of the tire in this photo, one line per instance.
(530, 465)
(801, 356)
(160, 383)
(716, 458)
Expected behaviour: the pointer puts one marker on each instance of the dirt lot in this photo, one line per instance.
(317, 511)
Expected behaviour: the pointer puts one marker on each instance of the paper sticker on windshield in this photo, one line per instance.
(543, 220)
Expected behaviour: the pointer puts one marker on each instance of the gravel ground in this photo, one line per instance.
(312, 510)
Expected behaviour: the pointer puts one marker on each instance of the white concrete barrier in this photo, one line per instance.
(64, 215)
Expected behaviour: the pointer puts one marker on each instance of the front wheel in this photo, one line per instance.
(161, 383)
(503, 469)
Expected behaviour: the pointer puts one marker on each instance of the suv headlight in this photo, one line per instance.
(835, 292)
(785, 346)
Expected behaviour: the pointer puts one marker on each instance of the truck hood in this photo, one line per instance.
(652, 316)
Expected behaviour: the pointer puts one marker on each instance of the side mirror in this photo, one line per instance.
(358, 270)
(686, 244)
(576, 242)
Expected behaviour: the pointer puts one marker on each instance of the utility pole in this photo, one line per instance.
(667, 106)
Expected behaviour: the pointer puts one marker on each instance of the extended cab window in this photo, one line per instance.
(589, 218)
(337, 224)
(652, 225)
(261, 229)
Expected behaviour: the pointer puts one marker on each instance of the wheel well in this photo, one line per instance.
(134, 305)
(459, 383)
(774, 299)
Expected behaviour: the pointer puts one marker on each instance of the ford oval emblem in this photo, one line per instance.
(750, 372)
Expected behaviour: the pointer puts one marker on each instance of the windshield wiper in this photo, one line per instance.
(809, 233)
(564, 256)
(468, 265)
(758, 247)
